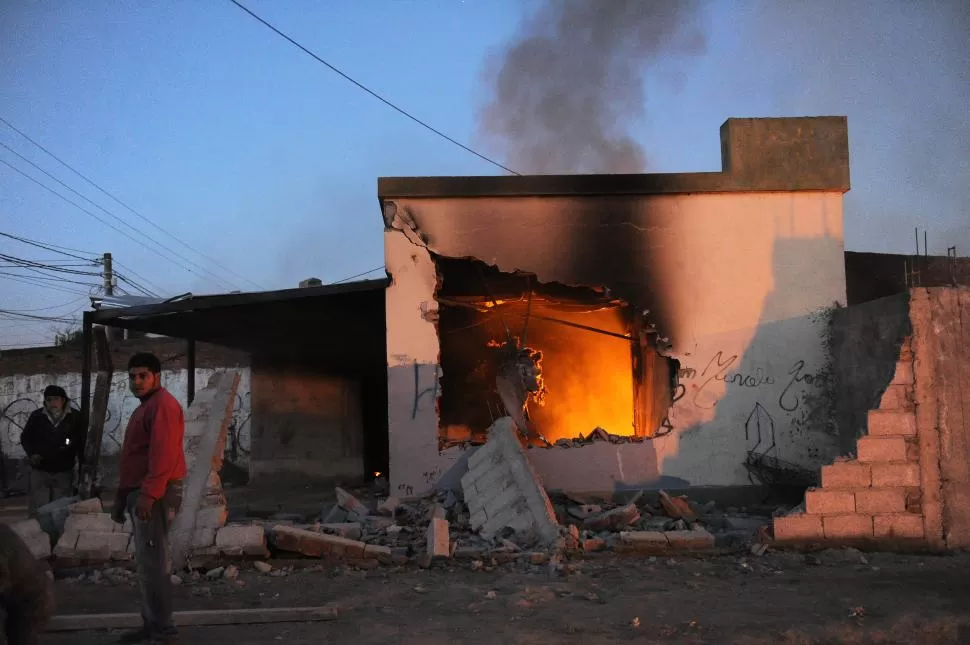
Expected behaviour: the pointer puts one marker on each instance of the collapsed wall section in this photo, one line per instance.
(909, 483)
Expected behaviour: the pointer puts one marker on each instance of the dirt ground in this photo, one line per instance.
(787, 598)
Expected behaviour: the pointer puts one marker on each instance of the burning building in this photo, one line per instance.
(650, 330)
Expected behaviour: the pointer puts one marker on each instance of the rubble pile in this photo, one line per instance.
(598, 435)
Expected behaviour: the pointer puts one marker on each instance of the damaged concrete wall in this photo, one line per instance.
(866, 341)
(305, 424)
(740, 282)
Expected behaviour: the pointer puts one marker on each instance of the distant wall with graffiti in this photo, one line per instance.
(21, 394)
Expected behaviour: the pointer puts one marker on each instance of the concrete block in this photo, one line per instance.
(482, 454)
(34, 536)
(880, 500)
(388, 506)
(203, 538)
(898, 525)
(95, 522)
(901, 474)
(212, 517)
(647, 542)
(250, 538)
(847, 527)
(696, 540)
(881, 449)
(819, 501)
(846, 474)
(500, 500)
(65, 545)
(439, 542)
(377, 552)
(102, 547)
(904, 373)
(891, 423)
(798, 527)
(898, 397)
(92, 505)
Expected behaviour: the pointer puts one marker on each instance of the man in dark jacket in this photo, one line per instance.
(26, 591)
(52, 441)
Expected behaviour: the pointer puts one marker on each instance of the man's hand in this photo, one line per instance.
(143, 508)
(35, 460)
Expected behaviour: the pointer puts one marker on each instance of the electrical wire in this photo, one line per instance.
(47, 247)
(121, 220)
(34, 282)
(118, 201)
(60, 306)
(372, 92)
(33, 317)
(359, 275)
(145, 280)
(108, 224)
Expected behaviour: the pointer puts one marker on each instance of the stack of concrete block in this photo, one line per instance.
(502, 490)
(90, 535)
(35, 537)
(875, 497)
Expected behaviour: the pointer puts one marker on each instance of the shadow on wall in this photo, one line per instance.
(777, 396)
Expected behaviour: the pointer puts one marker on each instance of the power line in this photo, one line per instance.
(60, 306)
(108, 224)
(372, 92)
(121, 203)
(119, 219)
(41, 318)
(46, 247)
(34, 281)
(22, 262)
(359, 275)
(131, 271)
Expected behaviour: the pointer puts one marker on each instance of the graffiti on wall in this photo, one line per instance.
(20, 395)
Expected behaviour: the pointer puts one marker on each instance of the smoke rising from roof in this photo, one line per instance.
(567, 90)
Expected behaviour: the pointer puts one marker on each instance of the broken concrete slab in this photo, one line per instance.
(92, 505)
(96, 522)
(349, 530)
(350, 503)
(646, 542)
(691, 541)
(206, 424)
(614, 519)
(94, 546)
(677, 507)
(388, 506)
(439, 541)
(502, 490)
(37, 540)
(313, 544)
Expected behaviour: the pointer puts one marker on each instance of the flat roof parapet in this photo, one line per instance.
(770, 154)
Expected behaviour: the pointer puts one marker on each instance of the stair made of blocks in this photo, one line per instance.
(876, 496)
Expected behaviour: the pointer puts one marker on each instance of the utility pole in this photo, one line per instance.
(108, 273)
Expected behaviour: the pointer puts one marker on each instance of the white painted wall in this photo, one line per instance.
(21, 394)
(746, 279)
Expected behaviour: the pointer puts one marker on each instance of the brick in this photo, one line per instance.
(439, 543)
(101, 546)
(647, 542)
(794, 528)
(912, 449)
(96, 522)
(904, 373)
(593, 545)
(900, 474)
(891, 423)
(906, 349)
(881, 449)
(898, 525)
(696, 540)
(914, 501)
(819, 501)
(250, 538)
(92, 505)
(847, 527)
(898, 397)
(880, 500)
(846, 474)
(313, 544)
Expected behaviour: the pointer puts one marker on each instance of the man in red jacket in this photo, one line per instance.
(151, 472)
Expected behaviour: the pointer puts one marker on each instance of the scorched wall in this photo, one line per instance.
(739, 274)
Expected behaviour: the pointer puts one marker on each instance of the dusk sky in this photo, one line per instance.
(240, 145)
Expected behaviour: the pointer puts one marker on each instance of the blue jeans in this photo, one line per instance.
(153, 562)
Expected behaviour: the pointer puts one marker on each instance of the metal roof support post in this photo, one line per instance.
(190, 359)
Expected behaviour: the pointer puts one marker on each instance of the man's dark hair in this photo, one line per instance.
(145, 359)
(55, 390)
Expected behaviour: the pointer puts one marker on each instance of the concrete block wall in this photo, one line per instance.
(910, 480)
(875, 497)
(502, 490)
